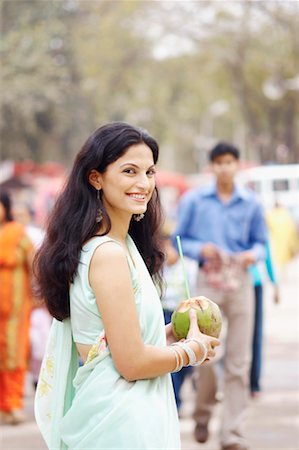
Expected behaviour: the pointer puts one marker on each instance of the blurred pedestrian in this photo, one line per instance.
(283, 236)
(25, 214)
(257, 341)
(40, 319)
(95, 270)
(222, 227)
(175, 292)
(16, 252)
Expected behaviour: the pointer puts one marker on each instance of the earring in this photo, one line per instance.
(138, 217)
(99, 213)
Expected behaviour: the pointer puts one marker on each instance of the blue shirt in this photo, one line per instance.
(234, 226)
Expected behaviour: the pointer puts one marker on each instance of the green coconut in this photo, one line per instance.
(208, 317)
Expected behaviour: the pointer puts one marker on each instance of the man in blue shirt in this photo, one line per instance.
(223, 228)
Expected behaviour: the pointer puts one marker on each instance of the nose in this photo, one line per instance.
(143, 182)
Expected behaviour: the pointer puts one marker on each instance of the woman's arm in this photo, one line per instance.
(110, 280)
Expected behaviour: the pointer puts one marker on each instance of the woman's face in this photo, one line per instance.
(129, 182)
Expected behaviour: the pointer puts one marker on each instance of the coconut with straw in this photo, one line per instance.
(208, 313)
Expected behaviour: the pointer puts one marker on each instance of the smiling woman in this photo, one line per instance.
(128, 183)
(95, 270)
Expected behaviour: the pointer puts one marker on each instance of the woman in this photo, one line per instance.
(15, 306)
(95, 270)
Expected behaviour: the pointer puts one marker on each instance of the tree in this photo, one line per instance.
(190, 72)
(40, 94)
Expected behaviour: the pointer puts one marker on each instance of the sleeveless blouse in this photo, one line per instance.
(86, 320)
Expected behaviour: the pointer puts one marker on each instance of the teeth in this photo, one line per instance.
(139, 196)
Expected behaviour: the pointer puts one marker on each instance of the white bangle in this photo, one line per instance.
(177, 362)
(179, 359)
(203, 348)
(189, 352)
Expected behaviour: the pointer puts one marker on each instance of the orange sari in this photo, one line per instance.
(15, 307)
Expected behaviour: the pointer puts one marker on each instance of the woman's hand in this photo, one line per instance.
(194, 332)
(170, 338)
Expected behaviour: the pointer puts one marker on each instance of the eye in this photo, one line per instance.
(151, 172)
(130, 171)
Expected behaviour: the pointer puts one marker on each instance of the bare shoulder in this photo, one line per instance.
(109, 266)
(111, 251)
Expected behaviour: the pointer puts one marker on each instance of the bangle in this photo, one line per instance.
(189, 352)
(177, 362)
(178, 358)
(203, 349)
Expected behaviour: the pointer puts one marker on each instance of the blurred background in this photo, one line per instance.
(190, 72)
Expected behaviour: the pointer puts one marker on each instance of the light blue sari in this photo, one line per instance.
(94, 407)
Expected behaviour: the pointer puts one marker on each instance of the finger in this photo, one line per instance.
(193, 320)
(168, 328)
(215, 343)
(205, 361)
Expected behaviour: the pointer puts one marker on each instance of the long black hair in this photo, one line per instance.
(73, 218)
(5, 200)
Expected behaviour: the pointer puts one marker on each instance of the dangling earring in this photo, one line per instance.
(99, 214)
(138, 217)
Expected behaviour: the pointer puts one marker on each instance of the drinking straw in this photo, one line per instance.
(183, 265)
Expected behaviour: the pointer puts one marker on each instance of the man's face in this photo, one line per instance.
(225, 167)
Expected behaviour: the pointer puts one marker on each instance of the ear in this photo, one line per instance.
(94, 179)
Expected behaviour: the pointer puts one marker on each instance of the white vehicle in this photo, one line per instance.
(274, 184)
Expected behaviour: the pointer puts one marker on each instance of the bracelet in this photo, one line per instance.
(188, 350)
(178, 358)
(203, 349)
(177, 362)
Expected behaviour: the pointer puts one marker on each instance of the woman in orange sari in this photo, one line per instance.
(15, 305)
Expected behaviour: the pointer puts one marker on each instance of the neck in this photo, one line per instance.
(225, 187)
(225, 190)
(2, 224)
(119, 226)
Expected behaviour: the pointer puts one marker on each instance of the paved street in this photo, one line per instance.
(273, 418)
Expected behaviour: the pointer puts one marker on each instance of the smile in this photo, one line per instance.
(140, 197)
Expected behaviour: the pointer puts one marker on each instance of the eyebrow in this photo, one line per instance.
(135, 165)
